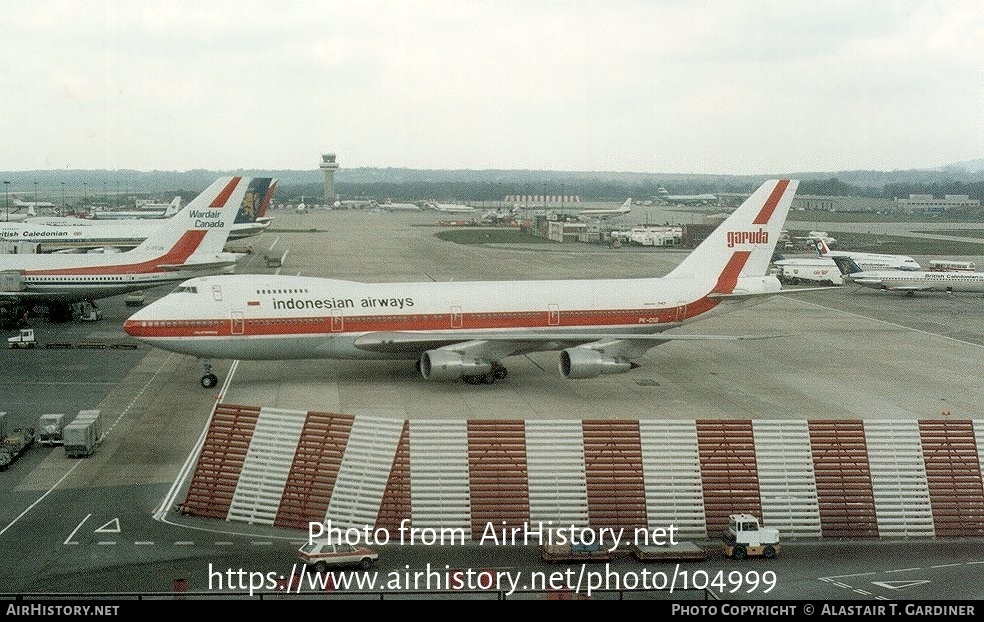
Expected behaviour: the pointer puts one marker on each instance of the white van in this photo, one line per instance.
(323, 555)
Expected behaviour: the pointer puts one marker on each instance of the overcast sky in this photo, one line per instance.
(742, 87)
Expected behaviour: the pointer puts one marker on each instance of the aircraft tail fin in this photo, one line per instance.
(173, 207)
(822, 249)
(846, 265)
(257, 198)
(201, 229)
(742, 245)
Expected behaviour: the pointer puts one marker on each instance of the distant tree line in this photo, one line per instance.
(489, 185)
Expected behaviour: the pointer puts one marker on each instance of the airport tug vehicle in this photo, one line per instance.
(746, 538)
(24, 339)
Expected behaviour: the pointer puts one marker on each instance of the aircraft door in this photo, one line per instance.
(681, 311)
(337, 321)
(553, 315)
(217, 292)
(238, 323)
(455, 317)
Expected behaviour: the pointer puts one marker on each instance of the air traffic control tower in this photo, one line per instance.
(329, 166)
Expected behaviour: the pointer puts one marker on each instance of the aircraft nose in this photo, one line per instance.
(137, 324)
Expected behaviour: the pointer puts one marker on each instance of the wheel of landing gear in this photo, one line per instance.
(488, 378)
(500, 372)
(209, 381)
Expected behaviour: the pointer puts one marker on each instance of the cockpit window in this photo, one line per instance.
(187, 289)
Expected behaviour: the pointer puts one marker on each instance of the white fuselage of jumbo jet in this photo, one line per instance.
(282, 317)
(462, 330)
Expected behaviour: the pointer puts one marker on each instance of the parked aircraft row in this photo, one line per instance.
(464, 330)
(188, 244)
(899, 273)
(80, 234)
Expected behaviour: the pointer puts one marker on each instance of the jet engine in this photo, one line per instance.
(577, 363)
(450, 365)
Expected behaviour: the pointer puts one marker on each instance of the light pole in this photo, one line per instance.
(6, 198)
(63, 198)
(85, 195)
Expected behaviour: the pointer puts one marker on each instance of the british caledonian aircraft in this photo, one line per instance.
(464, 329)
(80, 234)
(185, 245)
(909, 282)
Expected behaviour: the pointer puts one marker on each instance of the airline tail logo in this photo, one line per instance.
(747, 237)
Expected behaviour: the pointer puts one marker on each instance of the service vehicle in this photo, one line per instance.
(808, 271)
(558, 549)
(746, 538)
(134, 299)
(50, 427)
(79, 439)
(23, 339)
(324, 554)
(14, 444)
(681, 551)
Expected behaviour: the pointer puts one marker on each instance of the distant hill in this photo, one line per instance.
(404, 183)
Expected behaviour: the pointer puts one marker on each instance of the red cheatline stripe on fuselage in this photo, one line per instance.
(770, 205)
(260, 327)
(178, 254)
(223, 196)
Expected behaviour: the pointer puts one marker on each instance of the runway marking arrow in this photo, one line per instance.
(898, 585)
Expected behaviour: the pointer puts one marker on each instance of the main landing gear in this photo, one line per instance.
(209, 379)
(499, 372)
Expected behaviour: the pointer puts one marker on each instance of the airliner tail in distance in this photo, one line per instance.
(464, 330)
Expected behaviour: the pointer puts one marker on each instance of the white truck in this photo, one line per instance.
(810, 271)
(746, 538)
(24, 339)
(50, 427)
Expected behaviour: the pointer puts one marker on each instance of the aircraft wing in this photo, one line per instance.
(495, 347)
(199, 266)
(750, 295)
(910, 288)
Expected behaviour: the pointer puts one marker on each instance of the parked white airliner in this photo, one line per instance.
(67, 234)
(869, 261)
(188, 244)
(911, 281)
(464, 329)
(602, 214)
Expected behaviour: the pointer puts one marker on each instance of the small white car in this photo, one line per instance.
(323, 555)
